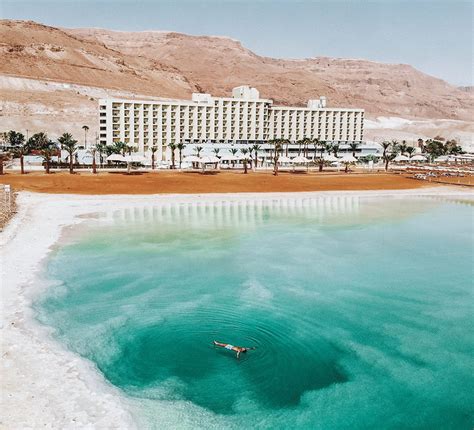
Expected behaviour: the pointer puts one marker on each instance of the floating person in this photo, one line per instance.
(237, 349)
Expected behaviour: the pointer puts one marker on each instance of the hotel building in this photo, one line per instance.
(244, 118)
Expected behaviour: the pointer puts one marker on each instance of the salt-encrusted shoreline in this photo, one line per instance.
(43, 384)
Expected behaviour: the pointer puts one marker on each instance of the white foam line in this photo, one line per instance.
(43, 384)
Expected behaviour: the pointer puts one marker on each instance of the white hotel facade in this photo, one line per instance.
(243, 119)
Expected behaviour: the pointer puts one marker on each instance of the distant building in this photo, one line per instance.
(244, 118)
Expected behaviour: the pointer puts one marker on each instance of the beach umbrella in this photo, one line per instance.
(209, 159)
(418, 157)
(300, 160)
(191, 159)
(331, 158)
(284, 159)
(229, 158)
(349, 158)
(401, 158)
(134, 159)
(116, 157)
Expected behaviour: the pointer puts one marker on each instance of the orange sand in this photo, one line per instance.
(166, 182)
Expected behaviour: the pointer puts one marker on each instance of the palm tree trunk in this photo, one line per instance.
(180, 158)
(94, 167)
(47, 166)
(152, 161)
(1, 166)
(71, 160)
(22, 164)
(245, 166)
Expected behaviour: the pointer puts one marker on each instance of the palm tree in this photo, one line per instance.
(101, 149)
(38, 141)
(20, 152)
(47, 152)
(4, 156)
(277, 148)
(410, 151)
(244, 152)
(216, 151)
(198, 150)
(315, 143)
(118, 148)
(153, 149)
(353, 147)
(86, 129)
(69, 145)
(389, 152)
(323, 146)
(180, 147)
(300, 143)
(255, 149)
(335, 149)
(403, 147)
(94, 165)
(233, 151)
(328, 147)
(395, 145)
(421, 144)
(17, 140)
(452, 148)
(346, 165)
(172, 147)
(306, 143)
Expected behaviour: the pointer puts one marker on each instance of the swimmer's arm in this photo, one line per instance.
(238, 355)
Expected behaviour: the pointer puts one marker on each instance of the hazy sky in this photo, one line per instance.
(434, 36)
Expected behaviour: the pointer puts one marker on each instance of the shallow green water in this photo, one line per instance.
(361, 312)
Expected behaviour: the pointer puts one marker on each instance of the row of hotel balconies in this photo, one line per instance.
(251, 113)
(116, 123)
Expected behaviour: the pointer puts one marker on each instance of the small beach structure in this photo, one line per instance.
(300, 159)
(209, 159)
(418, 157)
(116, 158)
(348, 158)
(284, 159)
(135, 159)
(401, 158)
(191, 159)
(331, 158)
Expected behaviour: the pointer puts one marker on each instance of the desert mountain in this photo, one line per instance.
(51, 76)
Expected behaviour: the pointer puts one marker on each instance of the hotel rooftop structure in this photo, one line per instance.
(244, 118)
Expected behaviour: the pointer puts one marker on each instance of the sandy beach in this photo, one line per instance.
(57, 388)
(165, 182)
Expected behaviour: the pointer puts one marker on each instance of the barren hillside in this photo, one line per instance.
(100, 62)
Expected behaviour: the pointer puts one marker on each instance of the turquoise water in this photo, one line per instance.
(360, 311)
